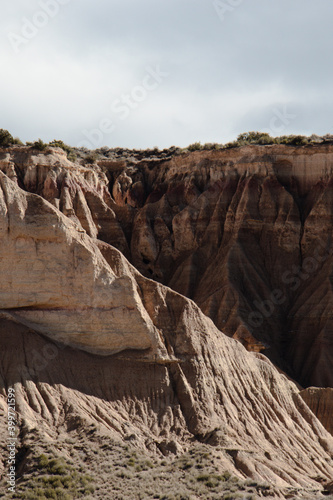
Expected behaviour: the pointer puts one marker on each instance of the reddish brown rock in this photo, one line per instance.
(320, 401)
(173, 376)
(244, 232)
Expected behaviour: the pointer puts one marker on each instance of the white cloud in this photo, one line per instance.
(224, 77)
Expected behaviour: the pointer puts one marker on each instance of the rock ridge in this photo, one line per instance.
(88, 340)
(244, 232)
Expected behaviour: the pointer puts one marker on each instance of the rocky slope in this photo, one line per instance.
(88, 340)
(244, 232)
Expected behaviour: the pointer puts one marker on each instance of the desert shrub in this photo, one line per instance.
(196, 146)
(6, 139)
(43, 461)
(57, 466)
(229, 145)
(211, 145)
(293, 140)
(71, 155)
(18, 141)
(315, 139)
(39, 145)
(203, 477)
(255, 138)
(92, 158)
(298, 140)
(56, 479)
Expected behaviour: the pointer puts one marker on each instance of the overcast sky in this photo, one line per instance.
(151, 73)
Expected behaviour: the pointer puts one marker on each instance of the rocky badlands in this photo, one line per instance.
(166, 323)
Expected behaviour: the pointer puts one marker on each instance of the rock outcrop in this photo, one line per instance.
(320, 401)
(86, 338)
(244, 232)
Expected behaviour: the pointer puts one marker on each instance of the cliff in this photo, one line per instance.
(320, 401)
(244, 232)
(88, 339)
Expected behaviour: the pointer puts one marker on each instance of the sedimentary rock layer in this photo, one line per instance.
(245, 233)
(320, 401)
(175, 378)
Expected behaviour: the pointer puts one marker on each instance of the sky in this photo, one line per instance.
(158, 73)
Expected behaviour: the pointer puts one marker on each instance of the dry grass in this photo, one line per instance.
(102, 468)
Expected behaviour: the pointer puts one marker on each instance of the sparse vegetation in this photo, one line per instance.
(132, 156)
(91, 158)
(263, 138)
(104, 468)
(71, 155)
(6, 139)
(39, 145)
(294, 140)
(196, 146)
(211, 145)
(56, 479)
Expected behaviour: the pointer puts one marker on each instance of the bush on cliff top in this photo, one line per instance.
(6, 139)
(68, 150)
(39, 145)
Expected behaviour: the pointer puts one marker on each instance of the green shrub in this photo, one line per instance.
(203, 477)
(92, 158)
(43, 461)
(211, 145)
(6, 139)
(17, 141)
(294, 140)
(39, 145)
(196, 146)
(255, 138)
(226, 476)
(57, 466)
(229, 145)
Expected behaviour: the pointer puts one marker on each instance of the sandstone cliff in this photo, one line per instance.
(86, 339)
(245, 233)
(321, 403)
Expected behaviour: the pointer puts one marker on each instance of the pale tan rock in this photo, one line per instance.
(56, 281)
(172, 371)
(237, 246)
(226, 228)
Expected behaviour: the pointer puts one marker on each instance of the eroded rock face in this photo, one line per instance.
(176, 376)
(55, 280)
(245, 233)
(320, 401)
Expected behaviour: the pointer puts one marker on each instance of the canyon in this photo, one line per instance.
(171, 301)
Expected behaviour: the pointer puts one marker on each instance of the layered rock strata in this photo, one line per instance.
(244, 232)
(173, 376)
(320, 401)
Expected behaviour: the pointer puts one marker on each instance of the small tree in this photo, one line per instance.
(196, 146)
(255, 138)
(293, 140)
(40, 145)
(71, 155)
(6, 139)
(92, 158)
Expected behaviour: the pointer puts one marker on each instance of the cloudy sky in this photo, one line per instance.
(151, 73)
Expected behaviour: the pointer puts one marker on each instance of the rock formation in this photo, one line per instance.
(320, 401)
(87, 338)
(243, 232)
